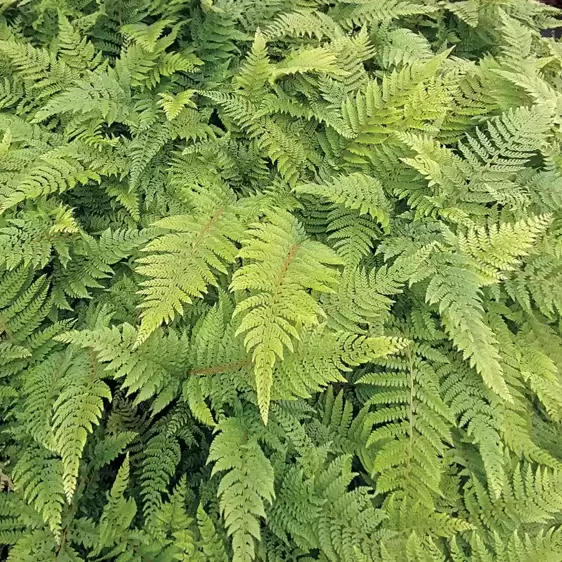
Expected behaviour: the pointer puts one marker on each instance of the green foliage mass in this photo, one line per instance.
(280, 281)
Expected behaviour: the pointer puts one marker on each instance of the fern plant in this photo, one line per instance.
(280, 281)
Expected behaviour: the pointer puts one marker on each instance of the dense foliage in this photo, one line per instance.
(280, 280)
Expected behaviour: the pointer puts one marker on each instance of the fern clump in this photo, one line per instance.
(280, 281)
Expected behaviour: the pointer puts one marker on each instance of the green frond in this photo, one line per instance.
(380, 108)
(313, 59)
(301, 23)
(363, 296)
(296, 510)
(173, 105)
(543, 545)
(91, 260)
(363, 13)
(531, 363)
(144, 147)
(211, 543)
(76, 411)
(23, 321)
(245, 488)
(466, 10)
(321, 356)
(183, 262)
(76, 51)
(33, 236)
(256, 71)
(500, 247)
(218, 363)
(517, 39)
(11, 91)
(11, 508)
(353, 53)
(148, 371)
(160, 458)
(352, 236)
(534, 86)
(38, 476)
(358, 301)
(507, 145)
(423, 550)
(472, 100)
(278, 301)
(401, 47)
(529, 497)
(145, 61)
(411, 426)
(55, 171)
(464, 393)
(112, 446)
(147, 36)
(100, 94)
(464, 322)
(287, 146)
(348, 520)
(346, 428)
(357, 192)
(118, 512)
(41, 388)
(36, 67)
(36, 546)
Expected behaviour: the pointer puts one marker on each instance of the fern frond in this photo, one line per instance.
(321, 356)
(364, 296)
(151, 368)
(463, 319)
(173, 105)
(351, 235)
(184, 262)
(211, 543)
(500, 247)
(92, 260)
(378, 109)
(509, 142)
(245, 488)
(466, 10)
(11, 91)
(402, 47)
(464, 393)
(144, 147)
(363, 13)
(348, 521)
(357, 192)
(278, 301)
(118, 512)
(76, 51)
(55, 171)
(100, 94)
(159, 460)
(147, 36)
(411, 427)
(37, 67)
(76, 411)
(256, 71)
(314, 59)
(301, 23)
(38, 476)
